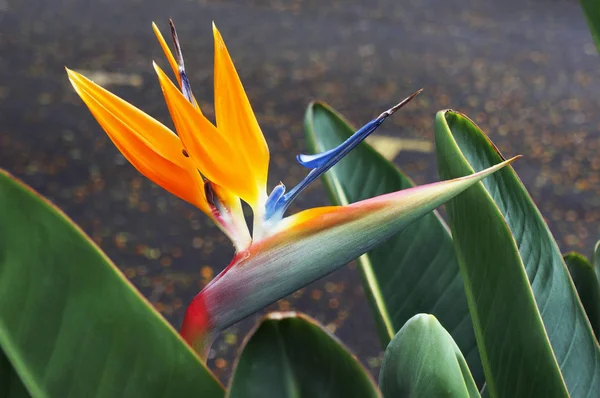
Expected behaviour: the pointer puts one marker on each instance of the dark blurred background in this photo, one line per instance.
(525, 70)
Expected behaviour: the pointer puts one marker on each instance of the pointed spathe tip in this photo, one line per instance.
(513, 159)
(399, 105)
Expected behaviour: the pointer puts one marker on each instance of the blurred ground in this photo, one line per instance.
(525, 70)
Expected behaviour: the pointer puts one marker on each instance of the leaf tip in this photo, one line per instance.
(280, 315)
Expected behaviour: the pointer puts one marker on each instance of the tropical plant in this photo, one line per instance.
(532, 333)
(497, 288)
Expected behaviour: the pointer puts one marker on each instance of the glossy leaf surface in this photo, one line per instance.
(596, 259)
(591, 9)
(71, 323)
(416, 270)
(10, 383)
(423, 360)
(291, 355)
(525, 343)
(588, 287)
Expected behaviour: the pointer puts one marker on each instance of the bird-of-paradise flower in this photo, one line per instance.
(215, 166)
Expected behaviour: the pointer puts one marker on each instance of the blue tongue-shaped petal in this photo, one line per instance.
(334, 155)
(186, 88)
(278, 202)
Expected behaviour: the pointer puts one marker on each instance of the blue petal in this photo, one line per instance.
(332, 156)
(278, 203)
(316, 160)
(273, 200)
(186, 88)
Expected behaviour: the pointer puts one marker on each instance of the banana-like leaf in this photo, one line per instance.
(588, 287)
(591, 9)
(291, 355)
(10, 383)
(416, 270)
(423, 360)
(71, 324)
(596, 259)
(540, 346)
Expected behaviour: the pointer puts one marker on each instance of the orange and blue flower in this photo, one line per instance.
(215, 167)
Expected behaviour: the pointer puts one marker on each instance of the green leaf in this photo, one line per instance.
(423, 360)
(588, 287)
(596, 259)
(71, 323)
(591, 10)
(520, 354)
(10, 383)
(290, 355)
(416, 270)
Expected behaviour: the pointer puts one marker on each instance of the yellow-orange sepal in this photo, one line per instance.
(153, 149)
(238, 125)
(167, 51)
(172, 61)
(218, 158)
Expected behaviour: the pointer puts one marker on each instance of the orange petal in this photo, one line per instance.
(167, 52)
(172, 60)
(150, 146)
(216, 157)
(235, 118)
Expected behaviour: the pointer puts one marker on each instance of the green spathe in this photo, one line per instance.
(300, 254)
